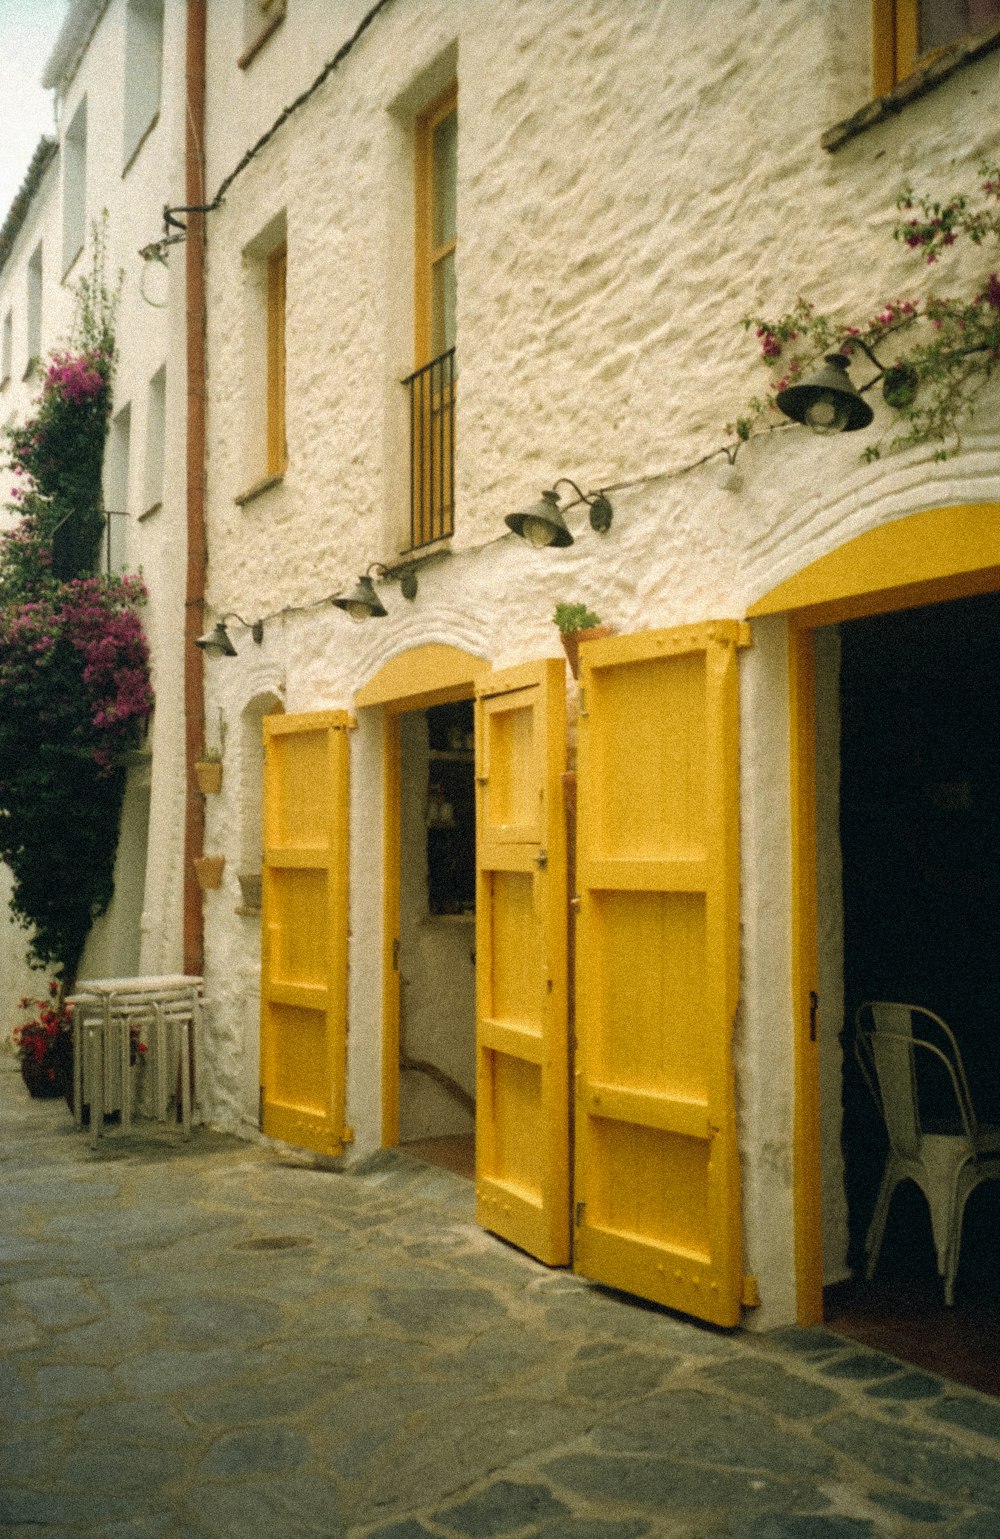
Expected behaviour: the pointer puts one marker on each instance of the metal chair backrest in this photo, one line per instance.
(888, 1037)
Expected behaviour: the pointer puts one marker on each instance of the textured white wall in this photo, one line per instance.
(632, 180)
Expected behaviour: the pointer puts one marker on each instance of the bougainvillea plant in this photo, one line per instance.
(932, 354)
(75, 691)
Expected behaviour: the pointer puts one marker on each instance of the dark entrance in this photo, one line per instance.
(920, 840)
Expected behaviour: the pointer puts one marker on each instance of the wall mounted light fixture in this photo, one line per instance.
(217, 641)
(363, 603)
(827, 401)
(544, 524)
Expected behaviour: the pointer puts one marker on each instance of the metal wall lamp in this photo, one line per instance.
(543, 523)
(217, 642)
(363, 603)
(827, 401)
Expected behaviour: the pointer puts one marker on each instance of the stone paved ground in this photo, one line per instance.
(218, 1339)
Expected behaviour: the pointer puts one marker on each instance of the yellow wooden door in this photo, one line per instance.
(303, 1013)
(657, 1202)
(522, 1090)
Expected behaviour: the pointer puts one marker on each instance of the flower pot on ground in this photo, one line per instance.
(208, 773)
(45, 1046)
(208, 869)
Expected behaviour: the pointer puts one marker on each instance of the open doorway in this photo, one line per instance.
(916, 822)
(437, 914)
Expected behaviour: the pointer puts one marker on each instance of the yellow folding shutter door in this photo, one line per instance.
(303, 1015)
(657, 1178)
(522, 1110)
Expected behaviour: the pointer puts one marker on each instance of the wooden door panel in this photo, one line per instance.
(657, 1179)
(522, 1111)
(304, 930)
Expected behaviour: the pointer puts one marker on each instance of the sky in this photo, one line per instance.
(28, 30)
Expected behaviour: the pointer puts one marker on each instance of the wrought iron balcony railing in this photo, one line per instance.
(432, 450)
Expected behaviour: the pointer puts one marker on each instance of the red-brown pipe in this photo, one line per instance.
(197, 553)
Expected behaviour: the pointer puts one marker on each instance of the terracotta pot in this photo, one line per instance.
(208, 869)
(571, 642)
(209, 776)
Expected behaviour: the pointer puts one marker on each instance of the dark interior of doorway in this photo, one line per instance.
(920, 839)
(448, 896)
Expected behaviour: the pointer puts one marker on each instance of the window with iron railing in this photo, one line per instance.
(432, 450)
(432, 384)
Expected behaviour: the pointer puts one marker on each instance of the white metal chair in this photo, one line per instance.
(947, 1161)
(161, 1013)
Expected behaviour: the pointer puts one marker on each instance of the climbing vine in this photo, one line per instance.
(75, 691)
(932, 354)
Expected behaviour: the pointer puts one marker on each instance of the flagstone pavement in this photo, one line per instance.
(218, 1338)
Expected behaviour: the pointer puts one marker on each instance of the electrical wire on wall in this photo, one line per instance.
(174, 229)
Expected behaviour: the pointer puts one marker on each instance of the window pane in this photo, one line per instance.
(445, 179)
(943, 21)
(443, 312)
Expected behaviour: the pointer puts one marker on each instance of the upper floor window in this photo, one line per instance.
(156, 424)
(143, 70)
(7, 347)
(277, 448)
(34, 307)
(117, 458)
(75, 186)
(907, 32)
(432, 385)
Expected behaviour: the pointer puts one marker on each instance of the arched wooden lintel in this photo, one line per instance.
(928, 558)
(427, 675)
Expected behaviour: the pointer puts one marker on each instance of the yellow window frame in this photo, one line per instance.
(896, 50)
(277, 448)
(428, 255)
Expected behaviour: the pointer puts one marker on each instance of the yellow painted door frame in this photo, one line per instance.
(423, 676)
(929, 558)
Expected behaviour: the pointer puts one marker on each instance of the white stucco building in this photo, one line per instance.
(117, 76)
(458, 255)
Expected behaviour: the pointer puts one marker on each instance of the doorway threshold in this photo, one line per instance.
(909, 1320)
(454, 1151)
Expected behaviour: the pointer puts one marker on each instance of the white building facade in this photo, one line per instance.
(615, 925)
(117, 76)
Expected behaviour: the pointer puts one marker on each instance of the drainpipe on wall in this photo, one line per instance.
(197, 554)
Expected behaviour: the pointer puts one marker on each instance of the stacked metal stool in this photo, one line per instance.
(159, 1017)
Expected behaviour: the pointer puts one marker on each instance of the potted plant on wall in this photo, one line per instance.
(208, 771)
(577, 623)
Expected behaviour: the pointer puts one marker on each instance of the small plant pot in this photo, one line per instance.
(208, 869)
(209, 776)
(571, 642)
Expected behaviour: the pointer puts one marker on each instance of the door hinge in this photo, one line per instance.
(395, 955)
(750, 1296)
(542, 859)
(582, 700)
(813, 1012)
(578, 1217)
